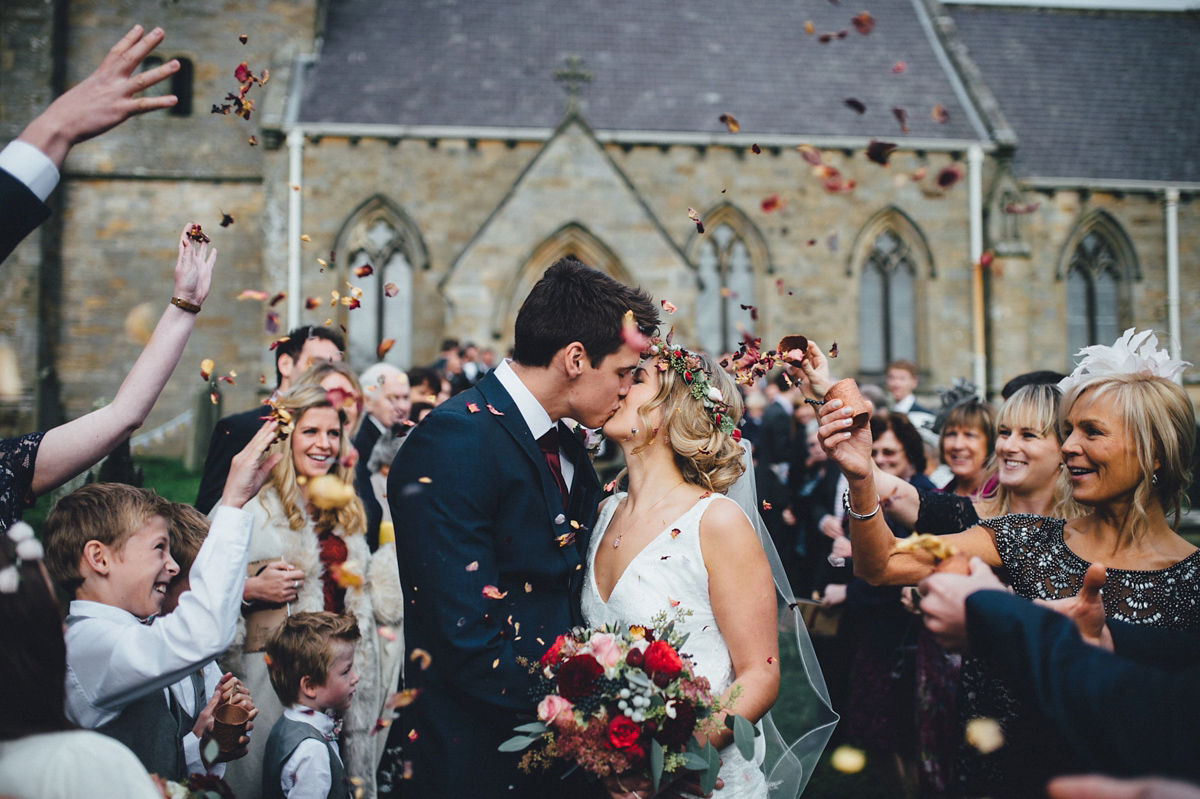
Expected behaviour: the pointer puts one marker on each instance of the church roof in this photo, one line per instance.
(660, 66)
(1097, 95)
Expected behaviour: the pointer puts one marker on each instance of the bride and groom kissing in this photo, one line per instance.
(503, 543)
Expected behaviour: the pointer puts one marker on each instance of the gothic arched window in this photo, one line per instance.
(1094, 279)
(887, 304)
(726, 272)
(383, 237)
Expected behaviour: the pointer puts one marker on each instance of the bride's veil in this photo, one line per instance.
(787, 764)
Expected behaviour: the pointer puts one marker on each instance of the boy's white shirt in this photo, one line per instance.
(306, 774)
(113, 659)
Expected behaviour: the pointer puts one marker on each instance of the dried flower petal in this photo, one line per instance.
(669, 307)
(754, 148)
(899, 67)
(833, 351)
(848, 760)
(384, 347)
(473, 407)
(772, 203)
(196, 233)
(492, 592)
(673, 602)
(902, 117)
(243, 38)
(855, 104)
(328, 491)
(950, 175)
(1021, 208)
(252, 141)
(766, 505)
(695, 217)
(493, 411)
(226, 219)
(402, 698)
(675, 531)
(311, 303)
(730, 122)
(809, 28)
(473, 566)
(810, 154)
(422, 658)
(253, 294)
(366, 270)
(242, 73)
(206, 368)
(305, 237)
(347, 574)
(880, 151)
(864, 23)
(985, 735)
(390, 289)
(940, 114)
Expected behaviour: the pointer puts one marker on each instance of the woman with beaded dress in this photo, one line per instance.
(1127, 448)
(675, 544)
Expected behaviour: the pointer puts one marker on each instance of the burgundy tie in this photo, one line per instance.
(549, 446)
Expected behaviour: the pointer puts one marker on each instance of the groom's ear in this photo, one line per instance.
(574, 359)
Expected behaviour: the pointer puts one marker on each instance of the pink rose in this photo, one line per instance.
(605, 649)
(556, 711)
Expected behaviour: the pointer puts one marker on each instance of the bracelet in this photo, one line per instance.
(184, 305)
(814, 402)
(860, 516)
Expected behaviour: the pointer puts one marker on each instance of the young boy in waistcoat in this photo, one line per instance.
(108, 545)
(311, 658)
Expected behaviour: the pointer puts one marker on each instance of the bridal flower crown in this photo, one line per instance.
(1132, 353)
(688, 366)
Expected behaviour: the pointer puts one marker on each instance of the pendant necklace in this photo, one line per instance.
(617, 541)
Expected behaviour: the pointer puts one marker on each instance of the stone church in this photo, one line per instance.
(979, 189)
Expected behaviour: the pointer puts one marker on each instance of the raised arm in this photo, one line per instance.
(875, 557)
(900, 498)
(70, 448)
(103, 99)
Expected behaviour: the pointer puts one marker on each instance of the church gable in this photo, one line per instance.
(571, 200)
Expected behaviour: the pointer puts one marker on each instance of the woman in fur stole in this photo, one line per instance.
(309, 553)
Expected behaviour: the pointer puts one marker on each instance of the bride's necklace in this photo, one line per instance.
(642, 516)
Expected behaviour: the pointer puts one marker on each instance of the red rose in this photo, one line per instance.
(676, 731)
(554, 653)
(737, 434)
(623, 733)
(635, 658)
(577, 676)
(661, 658)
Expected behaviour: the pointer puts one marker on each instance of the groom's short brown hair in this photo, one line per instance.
(573, 302)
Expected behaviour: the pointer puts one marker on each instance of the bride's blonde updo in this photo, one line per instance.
(704, 454)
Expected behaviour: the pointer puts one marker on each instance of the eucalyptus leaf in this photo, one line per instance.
(694, 762)
(516, 743)
(637, 678)
(743, 736)
(656, 762)
(657, 701)
(211, 750)
(708, 780)
(684, 639)
(533, 727)
(569, 771)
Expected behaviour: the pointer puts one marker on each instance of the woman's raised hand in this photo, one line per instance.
(193, 269)
(816, 372)
(278, 583)
(848, 447)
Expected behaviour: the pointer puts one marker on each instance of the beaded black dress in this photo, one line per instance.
(1039, 565)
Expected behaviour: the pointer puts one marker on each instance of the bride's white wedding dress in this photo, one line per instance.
(668, 575)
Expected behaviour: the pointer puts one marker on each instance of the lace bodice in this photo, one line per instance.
(941, 513)
(669, 575)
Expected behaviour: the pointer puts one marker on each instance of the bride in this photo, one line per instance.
(675, 543)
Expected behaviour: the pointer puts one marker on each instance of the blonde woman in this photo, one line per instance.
(318, 559)
(674, 542)
(1127, 448)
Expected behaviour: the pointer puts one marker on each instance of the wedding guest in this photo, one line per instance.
(425, 385)
(37, 463)
(902, 381)
(387, 405)
(966, 440)
(29, 165)
(342, 387)
(301, 348)
(315, 681)
(42, 754)
(318, 537)
(1128, 447)
(107, 545)
(380, 465)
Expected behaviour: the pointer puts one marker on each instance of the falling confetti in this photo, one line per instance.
(810, 154)
(833, 351)
(423, 659)
(243, 38)
(669, 307)
(950, 175)
(880, 151)
(772, 203)
(985, 735)
(196, 233)
(492, 592)
(899, 67)
(848, 760)
(902, 117)
(754, 148)
(855, 105)
(730, 122)
(940, 114)
(366, 270)
(390, 289)
(206, 368)
(473, 566)
(695, 217)
(864, 23)
(473, 407)
(226, 219)
(493, 411)
(384, 347)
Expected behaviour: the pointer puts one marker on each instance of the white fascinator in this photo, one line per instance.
(1132, 353)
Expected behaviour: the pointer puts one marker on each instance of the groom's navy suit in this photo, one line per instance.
(20, 212)
(475, 504)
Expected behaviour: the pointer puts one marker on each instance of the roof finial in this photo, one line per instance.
(573, 75)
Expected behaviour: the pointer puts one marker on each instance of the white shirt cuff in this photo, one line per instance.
(31, 166)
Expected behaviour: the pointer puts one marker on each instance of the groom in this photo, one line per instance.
(493, 499)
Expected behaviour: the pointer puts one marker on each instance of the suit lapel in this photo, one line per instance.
(585, 487)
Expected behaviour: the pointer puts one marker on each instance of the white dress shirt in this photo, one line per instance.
(306, 774)
(186, 698)
(113, 659)
(31, 166)
(535, 416)
(903, 405)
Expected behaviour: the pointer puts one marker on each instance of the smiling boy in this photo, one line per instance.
(108, 545)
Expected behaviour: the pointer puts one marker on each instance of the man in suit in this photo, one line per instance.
(493, 498)
(1122, 696)
(231, 435)
(902, 381)
(386, 401)
(29, 165)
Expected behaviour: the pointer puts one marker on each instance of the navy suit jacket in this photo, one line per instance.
(1127, 714)
(229, 437)
(20, 213)
(474, 504)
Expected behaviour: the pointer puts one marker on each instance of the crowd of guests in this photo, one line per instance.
(257, 638)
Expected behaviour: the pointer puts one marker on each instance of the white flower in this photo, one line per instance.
(714, 394)
(9, 579)
(20, 531)
(30, 550)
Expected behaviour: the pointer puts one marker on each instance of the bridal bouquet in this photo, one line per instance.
(615, 701)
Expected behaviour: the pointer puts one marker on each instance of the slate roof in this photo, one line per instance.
(657, 65)
(1093, 94)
